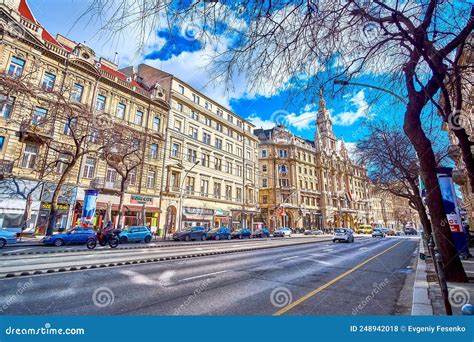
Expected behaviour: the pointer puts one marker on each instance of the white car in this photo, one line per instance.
(282, 232)
(343, 234)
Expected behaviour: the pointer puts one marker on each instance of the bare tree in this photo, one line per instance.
(66, 129)
(405, 46)
(125, 155)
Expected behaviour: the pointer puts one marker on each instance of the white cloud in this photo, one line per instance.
(260, 123)
(361, 110)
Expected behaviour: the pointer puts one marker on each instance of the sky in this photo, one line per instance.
(180, 52)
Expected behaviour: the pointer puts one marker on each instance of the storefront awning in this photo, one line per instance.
(126, 207)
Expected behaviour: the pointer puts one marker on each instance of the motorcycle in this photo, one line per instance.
(111, 238)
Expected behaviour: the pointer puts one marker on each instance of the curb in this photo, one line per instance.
(136, 247)
(143, 261)
(421, 304)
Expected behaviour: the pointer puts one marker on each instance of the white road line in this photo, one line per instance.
(363, 248)
(204, 275)
(289, 258)
(328, 250)
(319, 261)
(17, 250)
(468, 261)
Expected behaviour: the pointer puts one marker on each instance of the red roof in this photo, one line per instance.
(119, 75)
(25, 11)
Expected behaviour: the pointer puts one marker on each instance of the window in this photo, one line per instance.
(239, 170)
(229, 147)
(204, 187)
(192, 155)
(181, 89)
(177, 125)
(239, 151)
(208, 122)
(206, 138)
(219, 143)
(208, 105)
(249, 155)
(150, 180)
(94, 136)
(100, 103)
(228, 167)
(156, 123)
(193, 132)
(39, 115)
(48, 81)
(217, 190)
(139, 118)
(29, 156)
(190, 185)
(179, 107)
(2, 142)
(239, 123)
(264, 168)
(230, 118)
(154, 151)
(283, 168)
(89, 168)
(120, 111)
(218, 164)
(218, 127)
(228, 192)
(175, 150)
(264, 153)
(249, 173)
(196, 98)
(238, 194)
(230, 133)
(175, 180)
(76, 94)
(220, 112)
(16, 67)
(264, 182)
(132, 177)
(7, 106)
(69, 125)
(284, 182)
(195, 115)
(264, 199)
(283, 153)
(206, 160)
(111, 175)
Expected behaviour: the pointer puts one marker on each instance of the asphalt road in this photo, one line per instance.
(324, 278)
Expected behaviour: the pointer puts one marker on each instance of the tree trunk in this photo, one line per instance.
(120, 208)
(442, 233)
(465, 145)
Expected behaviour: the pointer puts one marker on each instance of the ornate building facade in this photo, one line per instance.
(314, 183)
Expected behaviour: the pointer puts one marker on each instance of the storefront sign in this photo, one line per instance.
(47, 205)
(137, 199)
(220, 212)
(198, 211)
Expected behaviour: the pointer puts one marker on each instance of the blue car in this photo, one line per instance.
(76, 236)
(7, 238)
(219, 234)
(242, 233)
(136, 234)
(261, 233)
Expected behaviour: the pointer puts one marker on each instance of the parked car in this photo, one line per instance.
(221, 233)
(261, 233)
(410, 231)
(135, 234)
(313, 232)
(191, 233)
(242, 233)
(282, 232)
(7, 238)
(343, 234)
(391, 232)
(378, 233)
(75, 236)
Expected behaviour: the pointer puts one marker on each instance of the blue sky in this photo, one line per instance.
(180, 52)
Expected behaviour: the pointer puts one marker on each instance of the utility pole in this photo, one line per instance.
(180, 212)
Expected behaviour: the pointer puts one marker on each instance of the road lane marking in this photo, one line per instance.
(289, 258)
(17, 250)
(329, 283)
(203, 275)
(319, 261)
(363, 248)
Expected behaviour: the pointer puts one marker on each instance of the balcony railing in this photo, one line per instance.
(101, 183)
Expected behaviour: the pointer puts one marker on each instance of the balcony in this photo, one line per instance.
(35, 133)
(6, 168)
(100, 183)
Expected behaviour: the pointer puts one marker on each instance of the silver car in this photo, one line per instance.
(343, 234)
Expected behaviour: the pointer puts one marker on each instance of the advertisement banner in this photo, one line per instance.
(90, 199)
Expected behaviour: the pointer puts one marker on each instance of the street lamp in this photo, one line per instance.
(344, 82)
(180, 217)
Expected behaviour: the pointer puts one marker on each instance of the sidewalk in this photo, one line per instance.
(427, 298)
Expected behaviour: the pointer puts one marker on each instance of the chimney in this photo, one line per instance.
(116, 58)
